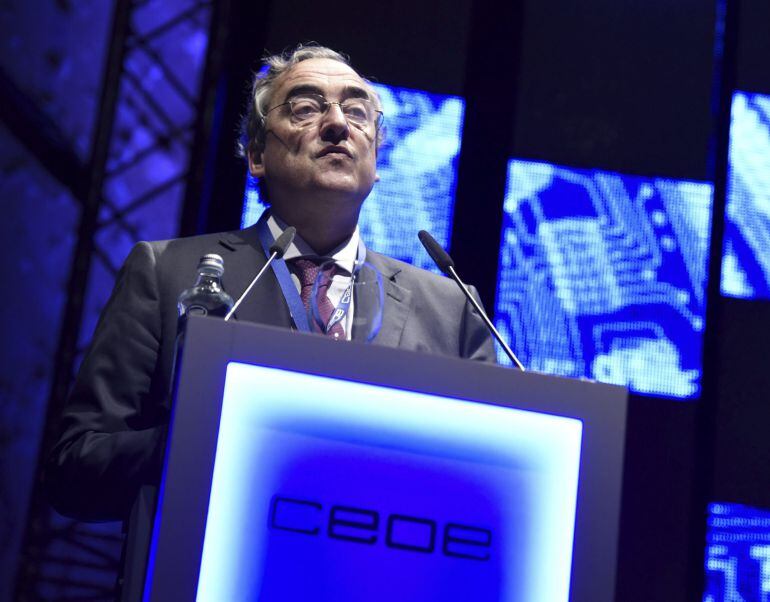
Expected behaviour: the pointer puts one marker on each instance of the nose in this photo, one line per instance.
(334, 125)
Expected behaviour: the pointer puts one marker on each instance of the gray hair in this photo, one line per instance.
(252, 138)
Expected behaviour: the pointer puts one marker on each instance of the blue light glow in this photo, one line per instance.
(417, 165)
(746, 256)
(508, 473)
(603, 276)
(737, 554)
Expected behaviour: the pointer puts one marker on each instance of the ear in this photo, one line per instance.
(256, 167)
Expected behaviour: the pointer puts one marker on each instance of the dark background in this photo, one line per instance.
(634, 86)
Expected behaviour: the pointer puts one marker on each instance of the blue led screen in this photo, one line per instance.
(737, 554)
(417, 165)
(746, 259)
(603, 276)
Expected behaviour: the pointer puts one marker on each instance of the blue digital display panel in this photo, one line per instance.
(737, 554)
(746, 254)
(417, 165)
(603, 276)
(333, 490)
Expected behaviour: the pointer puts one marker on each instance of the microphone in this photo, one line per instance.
(446, 265)
(439, 256)
(277, 249)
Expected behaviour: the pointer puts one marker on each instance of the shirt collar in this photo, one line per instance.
(344, 255)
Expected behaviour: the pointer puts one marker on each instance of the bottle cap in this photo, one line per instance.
(212, 261)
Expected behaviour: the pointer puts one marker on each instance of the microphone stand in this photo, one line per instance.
(487, 321)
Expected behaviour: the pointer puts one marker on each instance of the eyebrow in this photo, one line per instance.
(347, 91)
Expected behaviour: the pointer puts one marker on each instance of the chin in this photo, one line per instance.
(342, 183)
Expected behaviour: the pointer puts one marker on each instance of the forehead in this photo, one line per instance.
(327, 75)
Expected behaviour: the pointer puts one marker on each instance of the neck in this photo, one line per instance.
(323, 230)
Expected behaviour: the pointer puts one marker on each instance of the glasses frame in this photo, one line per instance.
(325, 106)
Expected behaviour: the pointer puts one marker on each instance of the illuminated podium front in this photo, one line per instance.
(301, 468)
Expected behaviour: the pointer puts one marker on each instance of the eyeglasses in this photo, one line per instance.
(308, 108)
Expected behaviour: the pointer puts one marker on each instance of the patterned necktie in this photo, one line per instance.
(307, 272)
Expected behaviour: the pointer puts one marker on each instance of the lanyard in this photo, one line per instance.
(289, 290)
(340, 311)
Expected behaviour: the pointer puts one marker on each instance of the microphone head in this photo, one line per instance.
(282, 242)
(437, 254)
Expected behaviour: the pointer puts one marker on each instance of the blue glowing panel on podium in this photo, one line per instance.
(737, 554)
(603, 276)
(355, 492)
(417, 165)
(746, 256)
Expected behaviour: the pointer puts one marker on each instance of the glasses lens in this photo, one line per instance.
(358, 111)
(306, 107)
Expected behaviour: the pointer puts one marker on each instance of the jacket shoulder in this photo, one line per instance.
(221, 242)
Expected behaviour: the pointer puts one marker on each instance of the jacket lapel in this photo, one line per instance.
(265, 303)
(397, 301)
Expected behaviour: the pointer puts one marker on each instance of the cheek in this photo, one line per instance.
(372, 162)
(288, 140)
(297, 141)
(369, 154)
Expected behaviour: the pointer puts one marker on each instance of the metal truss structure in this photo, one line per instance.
(131, 188)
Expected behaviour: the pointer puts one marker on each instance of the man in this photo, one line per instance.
(313, 132)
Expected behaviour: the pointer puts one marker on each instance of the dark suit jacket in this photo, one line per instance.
(114, 424)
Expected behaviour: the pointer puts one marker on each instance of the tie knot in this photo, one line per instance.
(307, 268)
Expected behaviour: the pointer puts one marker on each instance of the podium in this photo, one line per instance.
(300, 468)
